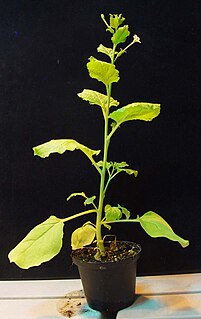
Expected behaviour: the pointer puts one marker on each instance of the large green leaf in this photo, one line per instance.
(120, 35)
(83, 236)
(60, 146)
(136, 111)
(94, 97)
(102, 71)
(156, 226)
(40, 245)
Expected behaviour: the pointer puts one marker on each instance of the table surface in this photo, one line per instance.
(169, 296)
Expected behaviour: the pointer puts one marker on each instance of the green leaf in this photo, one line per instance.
(130, 171)
(102, 71)
(60, 146)
(105, 50)
(120, 35)
(125, 211)
(120, 165)
(89, 200)
(116, 20)
(40, 245)
(112, 213)
(156, 226)
(94, 97)
(83, 236)
(136, 111)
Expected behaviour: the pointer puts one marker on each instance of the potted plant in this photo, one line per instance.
(107, 266)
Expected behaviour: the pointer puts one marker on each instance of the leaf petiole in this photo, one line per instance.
(67, 219)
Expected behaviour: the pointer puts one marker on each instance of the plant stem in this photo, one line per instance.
(99, 238)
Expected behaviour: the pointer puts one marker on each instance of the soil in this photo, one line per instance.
(114, 251)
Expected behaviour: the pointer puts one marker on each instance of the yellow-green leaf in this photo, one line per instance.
(105, 50)
(130, 171)
(41, 244)
(94, 97)
(116, 20)
(136, 111)
(102, 71)
(156, 226)
(83, 236)
(60, 146)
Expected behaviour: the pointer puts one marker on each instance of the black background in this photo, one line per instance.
(44, 49)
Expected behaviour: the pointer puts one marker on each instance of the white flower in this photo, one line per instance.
(136, 38)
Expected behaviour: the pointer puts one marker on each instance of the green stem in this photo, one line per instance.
(99, 238)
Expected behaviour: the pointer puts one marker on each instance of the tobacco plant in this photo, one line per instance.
(45, 240)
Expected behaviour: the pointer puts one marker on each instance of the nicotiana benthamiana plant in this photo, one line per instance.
(45, 240)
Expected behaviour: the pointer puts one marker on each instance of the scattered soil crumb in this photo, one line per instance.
(72, 304)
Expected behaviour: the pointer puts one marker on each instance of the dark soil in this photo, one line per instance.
(114, 252)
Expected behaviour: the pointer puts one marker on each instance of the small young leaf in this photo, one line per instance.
(108, 164)
(89, 200)
(82, 236)
(120, 35)
(116, 20)
(60, 146)
(130, 171)
(102, 71)
(40, 245)
(112, 213)
(156, 226)
(105, 50)
(94, 97)
(119, 165)
(136, 111)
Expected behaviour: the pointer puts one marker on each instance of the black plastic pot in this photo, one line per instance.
(109, 286)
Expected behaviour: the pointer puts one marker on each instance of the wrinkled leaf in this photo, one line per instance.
(94, 97)
(83, 236)
(121, 168)
(125, 211)
(105, 50)
(40, 245)
(119, 165)
(116, 20)
(136, 111)
(60, 146)
(130, 171)
(102, 71)
(108, 164)
(156, 226)
(112, 213)
(120, 35)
